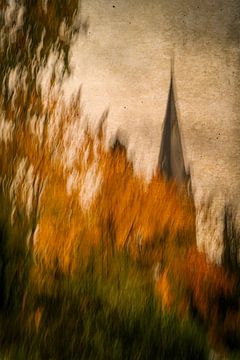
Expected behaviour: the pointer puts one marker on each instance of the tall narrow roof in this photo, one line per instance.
(171, 159)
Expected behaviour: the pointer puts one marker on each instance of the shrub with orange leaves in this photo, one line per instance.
(135, 213)
(86, 198)
(124, 213)
(207, 286)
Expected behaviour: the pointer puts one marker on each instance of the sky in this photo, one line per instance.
(124, 66)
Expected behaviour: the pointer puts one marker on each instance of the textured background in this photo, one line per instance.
(124, 65)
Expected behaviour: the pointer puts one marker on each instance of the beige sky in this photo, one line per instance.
(124, 65)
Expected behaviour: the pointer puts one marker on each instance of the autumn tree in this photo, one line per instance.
(32, 33)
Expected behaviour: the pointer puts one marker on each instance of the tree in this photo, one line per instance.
(31, 31)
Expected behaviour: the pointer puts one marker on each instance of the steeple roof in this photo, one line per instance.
(171, 159)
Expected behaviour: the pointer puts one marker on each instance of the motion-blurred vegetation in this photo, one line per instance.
(94, 262)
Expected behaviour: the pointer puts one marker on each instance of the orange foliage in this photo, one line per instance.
(135, 213)
(207, 283)
(125, 213)
(155, 222)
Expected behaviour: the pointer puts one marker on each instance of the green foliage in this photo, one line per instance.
(93, 316)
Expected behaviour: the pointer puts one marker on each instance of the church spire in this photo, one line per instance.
(171, 159)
